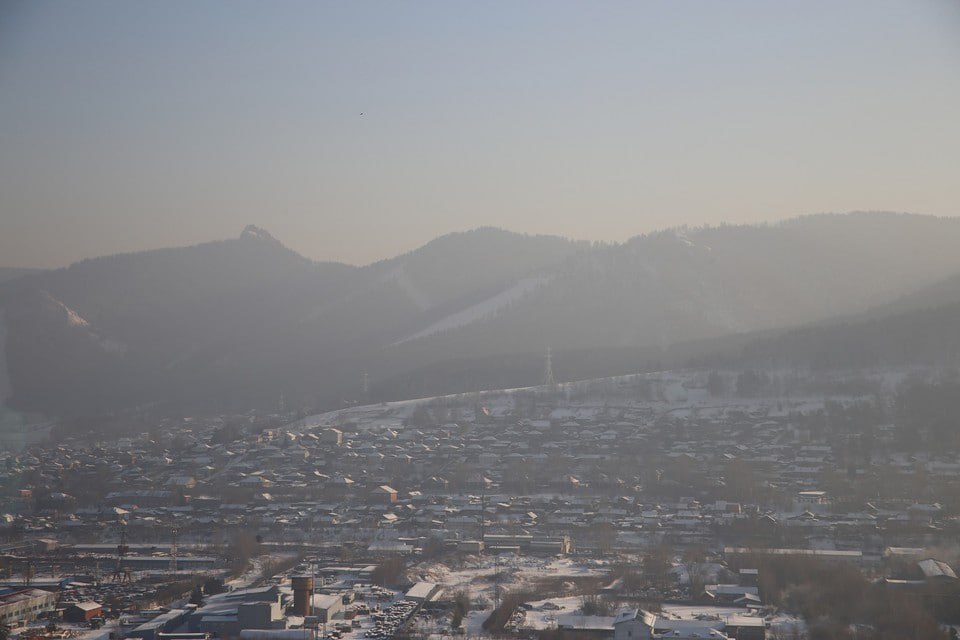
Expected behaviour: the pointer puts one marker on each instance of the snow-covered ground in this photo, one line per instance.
(255, 572)
(473, 623)
(480, 577)
(694, 612)
(677, 394)
(484, 309)
(544, 614)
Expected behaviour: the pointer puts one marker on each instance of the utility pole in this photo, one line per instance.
(496, 582)
(483, 519)
(28, 572)
(173, 552)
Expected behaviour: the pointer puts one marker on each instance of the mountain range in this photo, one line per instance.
(235, 324)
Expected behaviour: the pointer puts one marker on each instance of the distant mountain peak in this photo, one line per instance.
(259, 239)
(253, 232)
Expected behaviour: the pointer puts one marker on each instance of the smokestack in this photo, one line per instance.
(302, 594)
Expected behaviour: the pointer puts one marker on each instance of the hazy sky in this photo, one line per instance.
(356, 130)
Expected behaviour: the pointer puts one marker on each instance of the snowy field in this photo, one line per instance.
(481, 576)
(543, 614)
(680, 393)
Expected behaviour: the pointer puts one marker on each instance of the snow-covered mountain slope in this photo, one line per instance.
(482, 310)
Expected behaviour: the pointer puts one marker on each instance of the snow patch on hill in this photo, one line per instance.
(484, 309)
(73, 318)
(407, 285)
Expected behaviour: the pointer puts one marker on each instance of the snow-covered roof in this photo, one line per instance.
(936, 569)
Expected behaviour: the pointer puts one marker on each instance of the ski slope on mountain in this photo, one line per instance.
(484, 309)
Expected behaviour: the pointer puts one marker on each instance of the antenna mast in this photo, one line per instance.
(548, 380)
(122, 573)
(483, 519)
(174, 549)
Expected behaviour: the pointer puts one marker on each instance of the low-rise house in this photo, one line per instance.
(24, 605)
(82, 611)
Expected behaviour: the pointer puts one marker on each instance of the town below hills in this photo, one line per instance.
(694, 504)
(733, 433)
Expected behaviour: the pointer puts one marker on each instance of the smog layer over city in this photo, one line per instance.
(534, 320)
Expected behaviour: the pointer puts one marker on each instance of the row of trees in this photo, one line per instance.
(839, 603)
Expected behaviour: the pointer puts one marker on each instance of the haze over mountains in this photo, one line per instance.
(236, 323)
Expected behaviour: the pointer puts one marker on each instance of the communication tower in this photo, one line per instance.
(121, 573)
(174, 550)
(548, 380)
